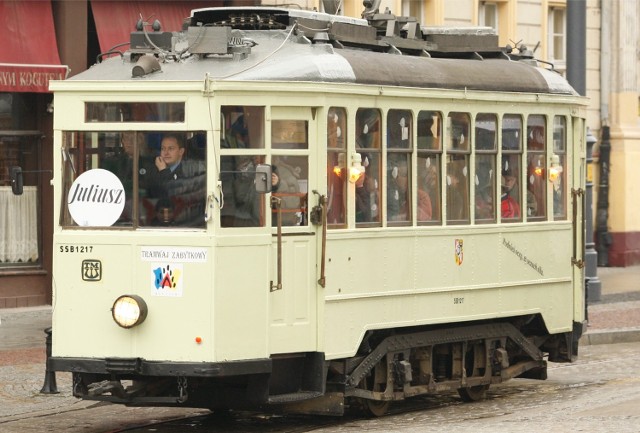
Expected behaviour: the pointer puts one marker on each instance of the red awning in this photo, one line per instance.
(28, 52)
(115, 20)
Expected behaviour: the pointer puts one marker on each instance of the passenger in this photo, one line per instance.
(484, 193)
(121, 162)
(428, 191)
(241, 205)
(457, 202)
(509, 205)
(165, 210)
(178, 178)
(285, 183)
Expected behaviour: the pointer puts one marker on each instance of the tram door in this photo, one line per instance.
(293, 299)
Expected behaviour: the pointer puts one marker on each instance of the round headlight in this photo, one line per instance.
(129, 311)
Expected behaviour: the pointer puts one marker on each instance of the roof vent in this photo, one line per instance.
(145, 65)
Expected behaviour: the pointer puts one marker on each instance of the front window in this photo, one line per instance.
(160, 178)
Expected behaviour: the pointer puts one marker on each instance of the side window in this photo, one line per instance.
(536, 168)
(291, 170)
(337, 170)
(242, 149)
(510, 169)
(429, 167)
(558, 168)
(458, 127)
(486, 128)
(399, 147)
(368, 145)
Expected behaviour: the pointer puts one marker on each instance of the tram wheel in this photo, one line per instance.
(473, 393)
(377, 407)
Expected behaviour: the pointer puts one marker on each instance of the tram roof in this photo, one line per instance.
(286, 54)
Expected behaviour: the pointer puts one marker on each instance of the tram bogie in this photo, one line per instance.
(314, 220)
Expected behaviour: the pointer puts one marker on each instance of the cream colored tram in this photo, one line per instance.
(422, 230)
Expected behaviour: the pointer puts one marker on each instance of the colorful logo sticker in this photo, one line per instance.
(458, 252)
(167, 279)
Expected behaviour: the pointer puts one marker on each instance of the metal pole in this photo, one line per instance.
(50, 386)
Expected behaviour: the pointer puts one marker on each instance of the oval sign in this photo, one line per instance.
(96, 198)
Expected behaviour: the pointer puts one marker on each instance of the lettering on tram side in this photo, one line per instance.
(76, 248)
(536, 267)
(173, 254)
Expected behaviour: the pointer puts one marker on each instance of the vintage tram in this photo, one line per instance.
(297, 211)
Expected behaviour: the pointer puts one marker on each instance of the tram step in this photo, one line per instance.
(294, 396)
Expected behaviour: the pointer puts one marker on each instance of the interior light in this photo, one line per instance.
(555, 169)
(356, 171)
(129, 311)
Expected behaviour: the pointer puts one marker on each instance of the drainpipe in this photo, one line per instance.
(576, 75)
(603, 237)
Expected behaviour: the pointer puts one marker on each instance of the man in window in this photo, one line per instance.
(181, 180)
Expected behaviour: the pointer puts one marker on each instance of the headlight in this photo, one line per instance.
(129, 311)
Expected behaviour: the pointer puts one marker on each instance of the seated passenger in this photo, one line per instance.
(180, 180)
(509, 205)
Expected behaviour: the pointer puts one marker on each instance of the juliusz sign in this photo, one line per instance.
(96, 198)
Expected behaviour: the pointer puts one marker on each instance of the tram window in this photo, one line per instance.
(457, 188)
(289, 134)
(428, 190)
(429, 130)
(536, 168)
(429, 172)
(292, 171)
(558, 168)
(399, 147)
(134, 111)
(337, 171)
(486, 126)
(242, 128)
(162, 188)
(368, 144)
(510, 169)
(458, 145)
(458, 131)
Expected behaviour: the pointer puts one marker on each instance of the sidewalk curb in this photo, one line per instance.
(611, 336)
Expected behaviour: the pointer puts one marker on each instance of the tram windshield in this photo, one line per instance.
(134, 179)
